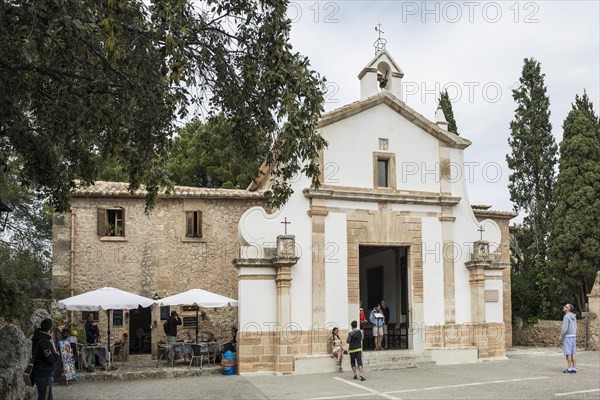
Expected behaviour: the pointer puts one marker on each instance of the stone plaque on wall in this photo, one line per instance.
(491, 296)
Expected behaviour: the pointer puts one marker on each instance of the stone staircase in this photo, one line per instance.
(395, 359)
(372, 361)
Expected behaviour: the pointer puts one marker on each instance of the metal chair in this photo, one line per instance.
(199, 350)
(117, 352)
(163, 350)
(390, 339)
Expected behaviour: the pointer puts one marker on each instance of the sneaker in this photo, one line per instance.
(362, 378)
(355, 377)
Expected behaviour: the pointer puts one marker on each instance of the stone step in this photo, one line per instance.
(395, 359)
(372, 361)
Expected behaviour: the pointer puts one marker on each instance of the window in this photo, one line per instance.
(193, 224)
(111, 221)
(384, 170)
(382, 173)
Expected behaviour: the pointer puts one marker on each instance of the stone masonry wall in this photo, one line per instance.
(154, 256)
(546, 334)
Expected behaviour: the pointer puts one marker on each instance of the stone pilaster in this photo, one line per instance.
(318, 214)
(284, 363)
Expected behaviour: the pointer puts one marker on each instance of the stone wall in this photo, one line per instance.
(547, 334)
(154, 256)
(15, 353)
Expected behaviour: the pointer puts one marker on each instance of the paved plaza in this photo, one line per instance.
(527, 374)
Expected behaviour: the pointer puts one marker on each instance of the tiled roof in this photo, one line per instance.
(121, 189)
(480, 206)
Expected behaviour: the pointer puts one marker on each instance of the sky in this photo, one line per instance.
(473, 49)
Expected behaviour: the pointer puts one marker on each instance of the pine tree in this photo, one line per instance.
(574, 247)
(444, 102)
(533, 156)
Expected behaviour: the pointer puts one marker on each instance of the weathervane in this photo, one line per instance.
(380, 42)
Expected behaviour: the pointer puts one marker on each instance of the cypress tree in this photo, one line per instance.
(533, 156)
(444, 102)
(574, 247)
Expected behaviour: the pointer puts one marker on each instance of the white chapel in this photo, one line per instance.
(391, 221)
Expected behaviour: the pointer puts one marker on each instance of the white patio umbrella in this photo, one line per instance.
(106, 298)
(198, 298)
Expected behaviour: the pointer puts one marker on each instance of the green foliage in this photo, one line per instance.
(205, 155)
(529, 283)
(444, 102)
(533, 156)
(25, 242)
(14, 303)
(88, 81)
(575, 240)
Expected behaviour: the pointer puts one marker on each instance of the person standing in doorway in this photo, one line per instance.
(568, 334)
(171, 327)
(361, 315)
(44, 356)
(385, 310)
(92, 333)
(376, 318)
(355, 338)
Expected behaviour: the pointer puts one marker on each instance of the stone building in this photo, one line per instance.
(186, 242)
(391, 221)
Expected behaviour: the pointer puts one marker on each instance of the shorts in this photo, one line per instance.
(569, 345)
(385, 331)
(356, 359)
(378, 331)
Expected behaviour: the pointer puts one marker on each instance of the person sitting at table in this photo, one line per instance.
(92, 333)
(171, 327)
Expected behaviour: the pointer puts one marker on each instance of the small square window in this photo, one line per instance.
(111, 222)
(193, 224)
(382, 173)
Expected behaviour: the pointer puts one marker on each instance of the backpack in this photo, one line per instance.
(166, 327)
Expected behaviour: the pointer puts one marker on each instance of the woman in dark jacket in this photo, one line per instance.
(44, 356)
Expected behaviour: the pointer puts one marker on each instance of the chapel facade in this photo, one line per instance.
(391, 221)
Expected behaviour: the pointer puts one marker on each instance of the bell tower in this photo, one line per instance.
(381, 73)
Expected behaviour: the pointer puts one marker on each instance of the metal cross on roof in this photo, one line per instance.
(285, 224)
(481, 230)
(381, 42)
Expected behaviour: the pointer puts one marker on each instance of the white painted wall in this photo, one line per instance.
(353, 140)
(336, 270)
(256, 312)
(433, 271)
